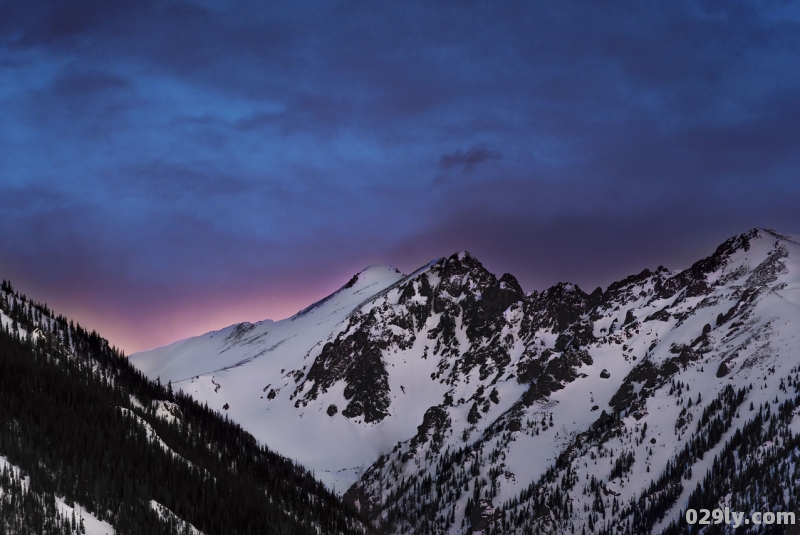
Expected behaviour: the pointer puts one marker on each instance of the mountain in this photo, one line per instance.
(450, 401)
(89, 445)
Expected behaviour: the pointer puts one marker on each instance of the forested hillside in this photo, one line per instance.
(85, 429)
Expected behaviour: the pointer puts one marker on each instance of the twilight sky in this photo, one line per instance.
(168, 168)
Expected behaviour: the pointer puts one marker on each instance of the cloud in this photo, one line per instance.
(544, 233)
(469, 159)
(71, 83)
(238, 142)
(256, 121)
(171, 181)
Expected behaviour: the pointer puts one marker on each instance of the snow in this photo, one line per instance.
(151, 433)
(166, 514)
(243, 360)
(136, 403)
(93, 525)
(4, 463)
(168, 411)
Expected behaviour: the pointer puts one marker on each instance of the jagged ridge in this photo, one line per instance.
(469, 405)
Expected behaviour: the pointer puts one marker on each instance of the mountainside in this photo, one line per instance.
(89, 445)
(449, 401)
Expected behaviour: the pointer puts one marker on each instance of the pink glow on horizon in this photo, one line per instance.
(139, 320)
(169, 326)
(197, 316)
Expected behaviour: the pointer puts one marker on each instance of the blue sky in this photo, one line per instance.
(172, 167)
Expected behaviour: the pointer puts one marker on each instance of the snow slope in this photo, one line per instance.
(241, 367)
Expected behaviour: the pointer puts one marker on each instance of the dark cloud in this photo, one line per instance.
(256, 121)
(549, 233)
(57, 24)
(72, 84)
(172, 181)
(158, 149)
(89, 93)
(467, 160)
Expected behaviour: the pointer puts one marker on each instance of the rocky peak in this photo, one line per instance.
(460, 264)
(559, 306)
(617, 289)
(695, 279)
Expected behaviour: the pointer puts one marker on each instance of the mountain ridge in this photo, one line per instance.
(451, 364)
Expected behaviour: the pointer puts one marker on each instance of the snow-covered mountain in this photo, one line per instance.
(449, 401)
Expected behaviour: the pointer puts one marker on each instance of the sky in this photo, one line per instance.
(169, 168)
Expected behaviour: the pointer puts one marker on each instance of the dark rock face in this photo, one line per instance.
(649, 377)
(466, 295)
(367, 389)
(481, 515)
(693, 280)
(435, 422)
(357, 360)
(724, 368)
(482, 316)
(559, 307)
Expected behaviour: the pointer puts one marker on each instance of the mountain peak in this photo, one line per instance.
(461, 257)
(744, 241)
(739, 242)
(370, 274)
(375, 276)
